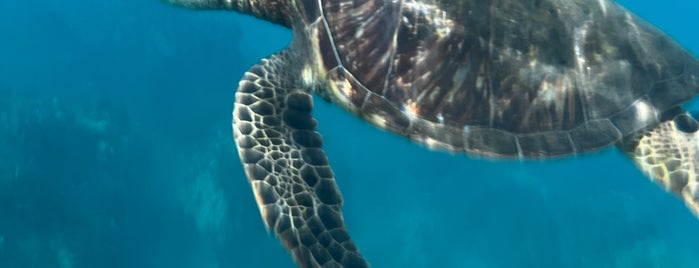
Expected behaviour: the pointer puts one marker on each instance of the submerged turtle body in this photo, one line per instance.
(538, 78)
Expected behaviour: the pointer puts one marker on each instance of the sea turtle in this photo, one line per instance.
(501, 79)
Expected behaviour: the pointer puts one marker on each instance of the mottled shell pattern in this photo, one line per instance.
(536, 78)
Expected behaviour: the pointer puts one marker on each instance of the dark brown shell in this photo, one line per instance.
(533, 78)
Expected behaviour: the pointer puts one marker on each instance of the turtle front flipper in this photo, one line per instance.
(199, 4)
(287, 168)
(669, 154)
(270, 10)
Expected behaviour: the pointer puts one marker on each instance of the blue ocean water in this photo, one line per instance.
(115, 151)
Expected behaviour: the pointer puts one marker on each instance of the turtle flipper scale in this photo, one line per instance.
(669, 155)
(289, 173)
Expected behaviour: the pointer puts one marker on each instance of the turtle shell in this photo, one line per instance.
(534, 78)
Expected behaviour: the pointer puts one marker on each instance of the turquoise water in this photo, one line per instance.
(115, 152)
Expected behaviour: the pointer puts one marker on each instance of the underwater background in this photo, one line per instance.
(115, 151)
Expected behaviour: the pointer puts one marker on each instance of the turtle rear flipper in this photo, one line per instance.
(669, 154)
(287, 168)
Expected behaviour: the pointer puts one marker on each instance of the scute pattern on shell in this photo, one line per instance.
(502, 78)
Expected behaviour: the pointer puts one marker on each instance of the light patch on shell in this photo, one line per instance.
(645, 112)
(460, 77)
(228, 4)
(603, 6)
(608, 49)
(411, 110)
(438, 145)
(579, 43)
(436, 17)
(479, 82)
(443, 24)
(546, 92)
(377, 120)
(636, 34)
(467, 130)
(533, 53)
(554, 93)
(342, 90)
(360, 30)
